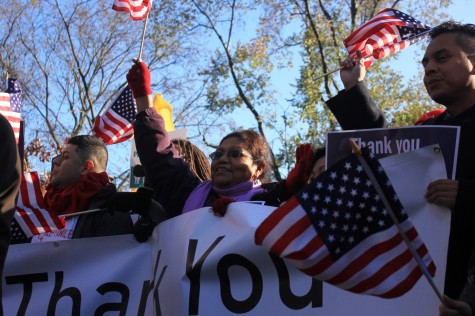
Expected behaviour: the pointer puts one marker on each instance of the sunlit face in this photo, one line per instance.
(67, 168)
(318, 168)
(448, 71)
(229, 171)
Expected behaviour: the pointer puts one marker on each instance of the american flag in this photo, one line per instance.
(386, 33)
(31, 215)
(138, 9)
(337, 230)
(115, 125)
(10, 105)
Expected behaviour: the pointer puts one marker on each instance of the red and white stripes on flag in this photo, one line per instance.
(337, 230)
(138, 9)
(10, 105)
(31, 213)
(386, 33)
(115, 124)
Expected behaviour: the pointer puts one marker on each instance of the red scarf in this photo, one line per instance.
(75, 198)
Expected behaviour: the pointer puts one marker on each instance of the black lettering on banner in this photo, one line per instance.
(292, 301)
(27, 280)
(156, 298)
(148, 286)
(112, 307)
(233, 305)
(57, 294)
(193, 273)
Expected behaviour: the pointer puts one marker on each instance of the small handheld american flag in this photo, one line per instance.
(115, 124)
(338, 230)
(386, 33)
(31, 216)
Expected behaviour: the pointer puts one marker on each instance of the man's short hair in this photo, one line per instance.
(465, 34)
(91, 148)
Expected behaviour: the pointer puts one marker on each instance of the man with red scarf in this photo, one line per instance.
(79, 182)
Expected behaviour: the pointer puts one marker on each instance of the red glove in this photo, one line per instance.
(220, 206)
(139, 80)
(299, 175)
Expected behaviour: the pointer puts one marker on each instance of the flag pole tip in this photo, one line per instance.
(355, 148)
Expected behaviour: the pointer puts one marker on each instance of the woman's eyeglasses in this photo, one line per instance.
(233, 153)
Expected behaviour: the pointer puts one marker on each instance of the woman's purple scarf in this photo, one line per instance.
(241, 192)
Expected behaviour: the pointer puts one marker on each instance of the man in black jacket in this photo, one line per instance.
(449, 78)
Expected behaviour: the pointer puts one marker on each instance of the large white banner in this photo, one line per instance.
(199, 264)
(78, 277)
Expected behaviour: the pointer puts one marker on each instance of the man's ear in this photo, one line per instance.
(88, 166)
(471, 57)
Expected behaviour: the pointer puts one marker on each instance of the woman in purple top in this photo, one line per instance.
(237, 166)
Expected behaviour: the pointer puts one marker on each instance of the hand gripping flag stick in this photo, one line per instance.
(387, 205)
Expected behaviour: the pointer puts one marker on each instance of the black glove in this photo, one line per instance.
(137, 202)
(154, 215)
(143, 228)
(151, 212)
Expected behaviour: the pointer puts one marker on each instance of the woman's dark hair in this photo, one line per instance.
(199, 164)
(256, 145)
(317, 154)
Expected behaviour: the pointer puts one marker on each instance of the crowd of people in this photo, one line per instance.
(180, 179)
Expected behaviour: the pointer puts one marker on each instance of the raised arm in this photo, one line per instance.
(170, 176)
(353, 107)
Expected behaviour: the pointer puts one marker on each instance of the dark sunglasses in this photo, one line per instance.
(233, 153)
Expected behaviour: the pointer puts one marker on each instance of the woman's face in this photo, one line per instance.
(318, 168)
(228, 171)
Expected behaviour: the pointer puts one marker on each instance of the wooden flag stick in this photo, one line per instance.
(83, 212)
(143, 32)
(143, 38)
(328, 73)
(335, 70)
(390, 211)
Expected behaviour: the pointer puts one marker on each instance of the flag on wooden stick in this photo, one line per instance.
(386, 33)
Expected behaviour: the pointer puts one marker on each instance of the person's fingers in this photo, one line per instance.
(347, 63)
(442, 187)
(298, 153)
(304, 152)
(130, 75)
(308, 152)
(443, 184)
(141, 66)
